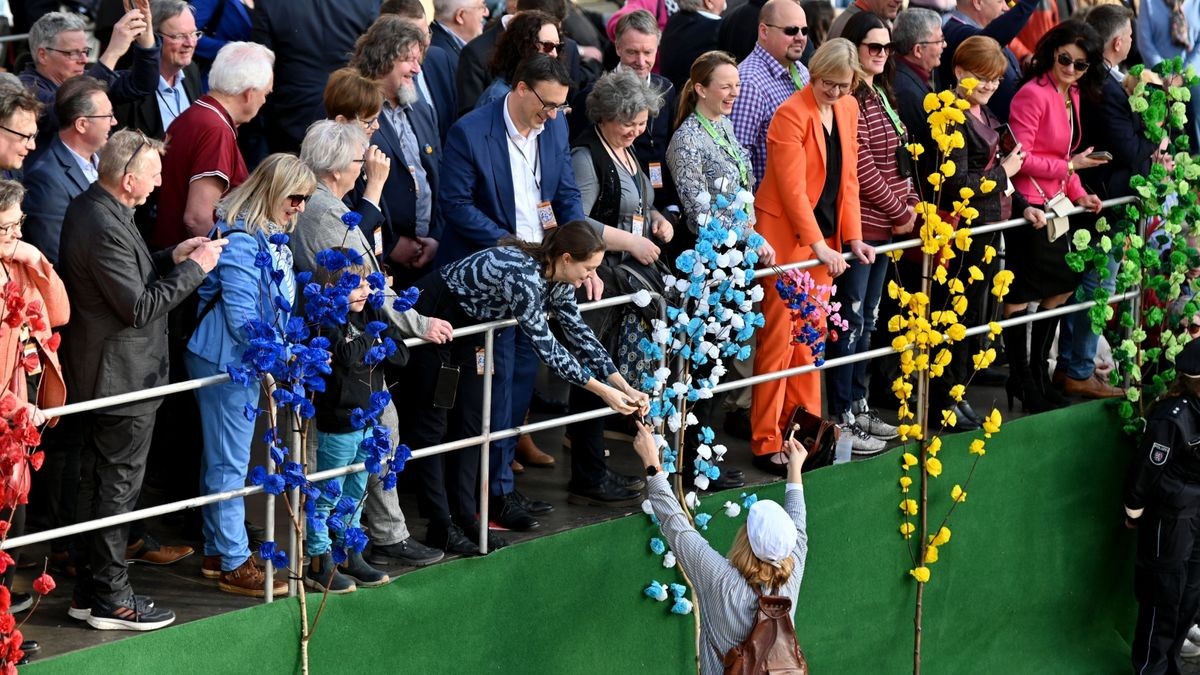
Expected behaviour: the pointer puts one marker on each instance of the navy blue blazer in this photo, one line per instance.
(438, 68)
(477, 201)
(441, 38)
(1111, 125)
(400, 191)
(50, 185)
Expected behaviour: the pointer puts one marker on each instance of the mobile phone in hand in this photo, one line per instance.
(1100, 154)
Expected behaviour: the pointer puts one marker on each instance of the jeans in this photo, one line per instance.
(335, 451)
(1077, 344)
(858, 289)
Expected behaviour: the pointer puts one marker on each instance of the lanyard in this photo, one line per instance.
(175, 94)
(887, 107)
(795, 74)
(723, 143)
(636, 175)
(533, 168)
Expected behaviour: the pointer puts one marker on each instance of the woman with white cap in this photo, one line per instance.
(767, 555)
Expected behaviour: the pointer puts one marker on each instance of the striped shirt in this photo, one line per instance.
(887, 198)
(507, 283)
(728, 604)
(766, 84)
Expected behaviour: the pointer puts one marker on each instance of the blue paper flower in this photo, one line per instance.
(656, 591)
(702, 520)
(351, 219)
(657, 546)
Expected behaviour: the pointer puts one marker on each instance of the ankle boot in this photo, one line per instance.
(1020, 384)
(1041, 336)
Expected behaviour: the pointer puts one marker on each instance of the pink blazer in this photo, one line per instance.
(1038, 118)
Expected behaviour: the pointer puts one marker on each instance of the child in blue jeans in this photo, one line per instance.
(348, 387)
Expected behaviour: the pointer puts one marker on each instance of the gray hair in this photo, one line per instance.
(332, 146)
(445, 9)
(241, 66)
(691, 5)
(165, 10)
(117, 157)
(913, 25)
(638, 20)
(11, 194)
(44, 32)
(389, 38)
(620, 95)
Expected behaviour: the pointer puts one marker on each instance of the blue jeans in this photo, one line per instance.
(858, 289)
(1077, 344)
(335, 451)
(225, 461)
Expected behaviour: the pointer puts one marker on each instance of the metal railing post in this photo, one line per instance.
(294, 499)
(269, 520)
(485, 430)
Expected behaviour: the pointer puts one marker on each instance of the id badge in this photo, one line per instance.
(378, 237)
(31, 356)
(656, 177)
(481, 361)
(545, 215)
(639, 225)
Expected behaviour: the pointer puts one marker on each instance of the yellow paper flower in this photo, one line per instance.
(991, 423)
(900, 343)
(962, 238)
(941, 538)
(897, 323)
(966, 193)
(931, 102)
(956, 285)
(987, 185)
(915, 149)
(984, 358)
(957, 392)
(921, 574)
(935, 179)
(931, 555)
(958, 494)
(907, 529)
(895, 255)
(907, 460)
(989, 252)
(1001, 282)
(994, 330)
(939, 275)
(933, 466)
(974, 273)
(977, 447)
(947, 168)
(959, 304)
(949, 418)
(905, 483)
(909, 507)
(935, 446)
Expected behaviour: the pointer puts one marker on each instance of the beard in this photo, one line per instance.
(406, 94)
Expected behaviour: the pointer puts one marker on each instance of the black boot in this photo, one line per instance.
(1021, 384)
(1041, 336)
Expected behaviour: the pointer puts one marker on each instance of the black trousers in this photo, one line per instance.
(113, 465)
(1166, 582)
(588, 466)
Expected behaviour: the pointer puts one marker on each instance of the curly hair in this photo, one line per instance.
(389, 38)
(620, 96)
(519, 40)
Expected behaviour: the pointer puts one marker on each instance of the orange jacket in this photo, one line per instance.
(796, 174)
(38, 283)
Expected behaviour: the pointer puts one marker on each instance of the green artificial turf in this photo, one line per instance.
(1035, 579)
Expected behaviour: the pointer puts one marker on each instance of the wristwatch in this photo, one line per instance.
(651, 471)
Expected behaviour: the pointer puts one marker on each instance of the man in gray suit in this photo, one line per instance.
(117, 343)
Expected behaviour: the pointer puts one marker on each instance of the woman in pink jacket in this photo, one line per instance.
(1045, 120)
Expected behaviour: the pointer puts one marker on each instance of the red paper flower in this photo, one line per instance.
(52, 344)
(43, 584)
(36, 459)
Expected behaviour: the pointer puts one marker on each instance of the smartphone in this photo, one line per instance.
(1100, 154)
(446, 389)
(1008, 141)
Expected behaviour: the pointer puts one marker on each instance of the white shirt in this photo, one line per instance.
(87, 165)
(527, 176)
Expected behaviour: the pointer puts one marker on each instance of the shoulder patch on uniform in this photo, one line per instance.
(1159, 454)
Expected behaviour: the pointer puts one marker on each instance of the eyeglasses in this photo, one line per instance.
(877, 48)
(5, 228)
(109, 116)
(297, 200)
(73, 54)
(550, 48)
(790, 31)
(363, 170)
(27, 138)
(1064, 59)
(837, 88)
(933, 42)
(551, 107)
(181, 37)
(136, 151)
(372, 123)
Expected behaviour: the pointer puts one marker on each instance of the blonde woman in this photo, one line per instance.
(235, 292)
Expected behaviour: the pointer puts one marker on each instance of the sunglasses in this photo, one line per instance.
(297, 200)
(1064, 59)
(877, 48)
(790, 31)
(1192, 328)
(136, 151)
(550, 48)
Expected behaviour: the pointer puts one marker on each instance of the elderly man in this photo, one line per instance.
(770, 75)
(918, 45)
(885, 9)
(117, 343)
(457, 22)
(58, 44)
(179, 81)
(204, 161)
(19, 111)
(994, 19)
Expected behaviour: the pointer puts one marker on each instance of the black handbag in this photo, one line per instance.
(815, 433)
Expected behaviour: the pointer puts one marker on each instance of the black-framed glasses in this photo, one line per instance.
(368, 124)
(73, 54)
(363, 170)
(136, 151)
(550, 48)
(1064, 59)
(837, 88)
(877, 48)
(109, 116)
(27, 138)
(790, 31)
(5, 228)
(297, 200)
(180, 37)
(551, 107)
(933, 42)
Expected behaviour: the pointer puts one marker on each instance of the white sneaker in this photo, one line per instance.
(1194, 634)
(1190, 650)
(862, 443)
(873, 424)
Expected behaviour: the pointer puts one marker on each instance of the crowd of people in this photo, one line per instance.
(511, 169)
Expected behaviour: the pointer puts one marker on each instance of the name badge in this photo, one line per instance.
(545, 214)
(32, 361)
(639, 225)
(656, 178)
(481, 361)
(378, 237)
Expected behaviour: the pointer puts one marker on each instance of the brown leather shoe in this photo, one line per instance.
(1093, 387)
(211, 567)
(157, 554)
(517, 467)
(249, 579)
(531, 455)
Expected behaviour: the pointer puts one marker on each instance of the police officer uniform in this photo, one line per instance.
(1162, 499)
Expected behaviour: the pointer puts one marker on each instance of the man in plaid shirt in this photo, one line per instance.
(770, 74)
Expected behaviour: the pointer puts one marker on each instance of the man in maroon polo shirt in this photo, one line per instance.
(203, 161)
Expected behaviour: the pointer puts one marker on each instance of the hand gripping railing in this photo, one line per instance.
(487, 435)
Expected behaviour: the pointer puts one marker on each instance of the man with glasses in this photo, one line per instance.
(117, 343)
(994, 19)
(19, 111)
(918, 45)
(205, 161)
(179, 81)
(58, 45)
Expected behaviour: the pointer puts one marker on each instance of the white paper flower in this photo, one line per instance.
(649, 510)
(732, 509)
(701, 482)
(669, 560)
(641, 298)
(691, 500)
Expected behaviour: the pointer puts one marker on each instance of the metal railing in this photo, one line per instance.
(487, 435)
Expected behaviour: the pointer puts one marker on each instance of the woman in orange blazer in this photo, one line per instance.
(807, 207)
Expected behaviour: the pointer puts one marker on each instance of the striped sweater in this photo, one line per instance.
(886, 197)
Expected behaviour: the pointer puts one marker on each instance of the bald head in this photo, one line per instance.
(777, 19)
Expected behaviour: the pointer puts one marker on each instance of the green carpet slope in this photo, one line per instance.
(1036, 579)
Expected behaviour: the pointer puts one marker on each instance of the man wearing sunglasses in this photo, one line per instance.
(58, 44)
(994, 19)
(884, 9)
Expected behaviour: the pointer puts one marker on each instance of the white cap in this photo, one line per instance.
(771, 532)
